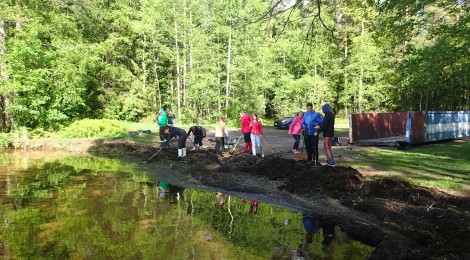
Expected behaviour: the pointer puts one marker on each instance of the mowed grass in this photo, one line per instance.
(443, 165)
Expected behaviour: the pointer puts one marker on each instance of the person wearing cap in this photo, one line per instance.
(328, 129)
(175, 132)
(162, 121)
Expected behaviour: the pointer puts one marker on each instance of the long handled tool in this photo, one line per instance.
(235, 146)
(159, 150)
(192, 142)
(266, 142)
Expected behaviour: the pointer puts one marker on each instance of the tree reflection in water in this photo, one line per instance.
(86, 207)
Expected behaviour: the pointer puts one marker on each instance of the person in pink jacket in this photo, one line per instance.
(294, 129)
(246, 130)
(256, 132)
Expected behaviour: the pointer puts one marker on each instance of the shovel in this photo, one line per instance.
(235, 146)
(159, 150)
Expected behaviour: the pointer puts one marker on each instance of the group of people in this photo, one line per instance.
(252, 130)
(310, 124)
(168, 132)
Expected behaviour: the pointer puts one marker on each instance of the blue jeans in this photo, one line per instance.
(297, 141)
(256, 141)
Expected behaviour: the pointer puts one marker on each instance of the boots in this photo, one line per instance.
(245, 149)
(184, 152)
(250, 146)
(180, 152)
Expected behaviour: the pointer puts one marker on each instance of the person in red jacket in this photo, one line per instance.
(246, 130)
(256, 132)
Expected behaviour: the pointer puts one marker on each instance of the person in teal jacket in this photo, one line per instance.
(311, 120)
(162, 121)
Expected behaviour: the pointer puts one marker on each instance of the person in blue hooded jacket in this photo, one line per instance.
(328, 129)
(310, 121)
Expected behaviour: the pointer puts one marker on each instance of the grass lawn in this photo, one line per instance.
(443, 165)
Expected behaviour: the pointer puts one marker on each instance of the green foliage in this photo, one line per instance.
(103, 128)
(39, 133)
(121, 60)
(5, 140)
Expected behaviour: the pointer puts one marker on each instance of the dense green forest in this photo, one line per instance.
(63, 60)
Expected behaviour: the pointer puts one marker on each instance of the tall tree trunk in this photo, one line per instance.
(345, 60)
(144, 66)
(361, 77)
(155, 74)
(227, 85)
(184, 75)
(190, 41)
(219, 80)
(178, 80)
(4, 95)
(3, 36)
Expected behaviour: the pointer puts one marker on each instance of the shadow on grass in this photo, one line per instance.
(444, 165)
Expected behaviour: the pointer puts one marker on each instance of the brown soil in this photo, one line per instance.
(399, 219)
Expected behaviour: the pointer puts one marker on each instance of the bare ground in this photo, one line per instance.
(401, 220)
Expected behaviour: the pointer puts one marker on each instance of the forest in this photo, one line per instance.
(66, 60)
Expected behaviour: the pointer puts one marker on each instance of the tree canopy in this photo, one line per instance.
(61, 61)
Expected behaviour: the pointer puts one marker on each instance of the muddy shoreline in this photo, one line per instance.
(401, 220)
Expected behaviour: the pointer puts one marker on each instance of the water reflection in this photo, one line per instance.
(85, 207)
(313, 225)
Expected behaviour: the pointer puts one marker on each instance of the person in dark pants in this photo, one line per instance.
(199, 134)
(311, 226)
(294, 129)
(171, 118)
(246, 130)
(220, 134)
(175, 132)
(328, 129)
(310, 120)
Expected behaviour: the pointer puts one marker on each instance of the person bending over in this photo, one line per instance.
(180, 134)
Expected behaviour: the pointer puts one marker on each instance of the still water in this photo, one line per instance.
(58, 206)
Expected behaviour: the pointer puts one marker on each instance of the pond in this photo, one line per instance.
(69, 206)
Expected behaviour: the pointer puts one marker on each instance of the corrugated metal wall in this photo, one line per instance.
(442, 125)
(378, 125)
(426, 126)
(418, 127)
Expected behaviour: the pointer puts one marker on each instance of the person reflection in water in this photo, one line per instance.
(221, 198)
(313, 225)
(166, 190)
(163, 189)
(328, 230)
(254, 205)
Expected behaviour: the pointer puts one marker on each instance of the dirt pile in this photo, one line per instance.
(424, 223)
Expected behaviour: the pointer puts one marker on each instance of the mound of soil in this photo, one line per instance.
(401, 220)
